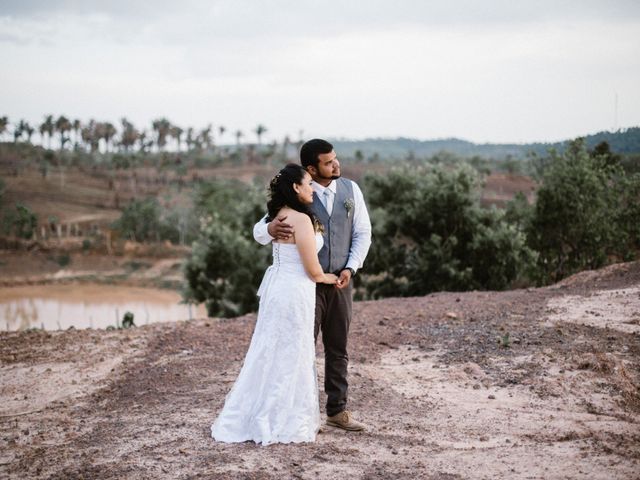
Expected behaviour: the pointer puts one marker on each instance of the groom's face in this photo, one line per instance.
(328, 168)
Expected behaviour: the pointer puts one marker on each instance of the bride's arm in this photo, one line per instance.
(306, 242)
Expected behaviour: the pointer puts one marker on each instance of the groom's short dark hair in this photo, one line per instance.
(311, 149)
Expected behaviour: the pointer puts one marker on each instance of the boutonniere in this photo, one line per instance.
(348, 204)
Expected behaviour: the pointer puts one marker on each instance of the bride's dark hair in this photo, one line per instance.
(282, 194)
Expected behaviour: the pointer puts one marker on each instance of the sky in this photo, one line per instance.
(496, 71)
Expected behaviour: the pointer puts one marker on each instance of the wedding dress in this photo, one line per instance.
(275, 397)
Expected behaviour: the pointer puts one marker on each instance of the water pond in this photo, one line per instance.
(55, 307)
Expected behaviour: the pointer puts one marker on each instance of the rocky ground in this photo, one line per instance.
(525, 384)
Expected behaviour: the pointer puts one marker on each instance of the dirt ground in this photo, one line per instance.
(525, 384)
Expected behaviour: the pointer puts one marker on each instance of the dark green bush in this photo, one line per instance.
(226, 264)
(431, 234)
(20, 222)
(144, 220)
(63, 259)
(586, 213)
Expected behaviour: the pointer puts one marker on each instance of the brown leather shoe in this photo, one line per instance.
(344, 421)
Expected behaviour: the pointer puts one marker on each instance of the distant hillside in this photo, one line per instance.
(622, 141)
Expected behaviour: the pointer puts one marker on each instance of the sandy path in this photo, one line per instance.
(445, 393)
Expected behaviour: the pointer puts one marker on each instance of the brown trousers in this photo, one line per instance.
(333, 316)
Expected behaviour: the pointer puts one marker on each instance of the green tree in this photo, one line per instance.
(176, 133)
(238, 134)
(28, 131)
(628, 215)
(20, 222)
(226, 264)
(47, 127)
(205, 139)
(575, 221)
(141, 221)
(162, 127)
(76, 126)
(17, 131)
(108, 132)
(431, 234)
(90, 135)
(63, 126)
(130, 134)
(190, 140)
(260, 130)
(4, 121)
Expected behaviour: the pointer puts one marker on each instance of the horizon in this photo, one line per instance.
(55, 141)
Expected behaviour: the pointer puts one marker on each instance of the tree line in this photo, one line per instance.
(95, 136)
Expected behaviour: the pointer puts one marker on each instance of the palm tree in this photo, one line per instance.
(28, 129)
(47, 127)
(238, 135)
(205, 137)
(260, 129)
(98, 133)
(161, 127)
(108, 132)
(90, 135)
(63, 125)
(176, 132)
(190, 141)
(18, 130)
(76, 126)
(221, 130)
(4, 121)
(145, 144)
(130, 134)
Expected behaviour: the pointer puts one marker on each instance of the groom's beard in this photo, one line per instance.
(332, 177)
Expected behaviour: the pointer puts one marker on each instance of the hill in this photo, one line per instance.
(623, 141)
(536, 383)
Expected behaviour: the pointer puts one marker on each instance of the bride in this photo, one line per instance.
(275, 397)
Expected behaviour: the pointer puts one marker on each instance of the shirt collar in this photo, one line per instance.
(319, 189)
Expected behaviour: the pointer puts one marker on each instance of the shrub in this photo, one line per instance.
(226, 264)
(585, 214)
(63, 259)
(431, 234)
(20, 222)
(141, 221)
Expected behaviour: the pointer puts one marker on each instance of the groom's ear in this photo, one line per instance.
(311, 170)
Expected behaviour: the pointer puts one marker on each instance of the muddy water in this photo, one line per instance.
(54, 307)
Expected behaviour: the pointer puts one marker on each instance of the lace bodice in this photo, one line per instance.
(286, 259)
(287, 253)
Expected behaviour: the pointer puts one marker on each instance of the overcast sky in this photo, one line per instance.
(485, 71)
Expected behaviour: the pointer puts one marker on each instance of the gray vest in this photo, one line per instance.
(337, 229)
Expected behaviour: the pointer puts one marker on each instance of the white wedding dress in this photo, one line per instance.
(275, 397)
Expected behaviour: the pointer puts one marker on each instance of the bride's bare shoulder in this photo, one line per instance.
(293, 216)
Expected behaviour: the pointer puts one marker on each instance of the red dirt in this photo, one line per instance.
(445, 392)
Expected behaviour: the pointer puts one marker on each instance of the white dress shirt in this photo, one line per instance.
(360, 230)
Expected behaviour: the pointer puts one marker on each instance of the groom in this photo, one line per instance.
(339, 205)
